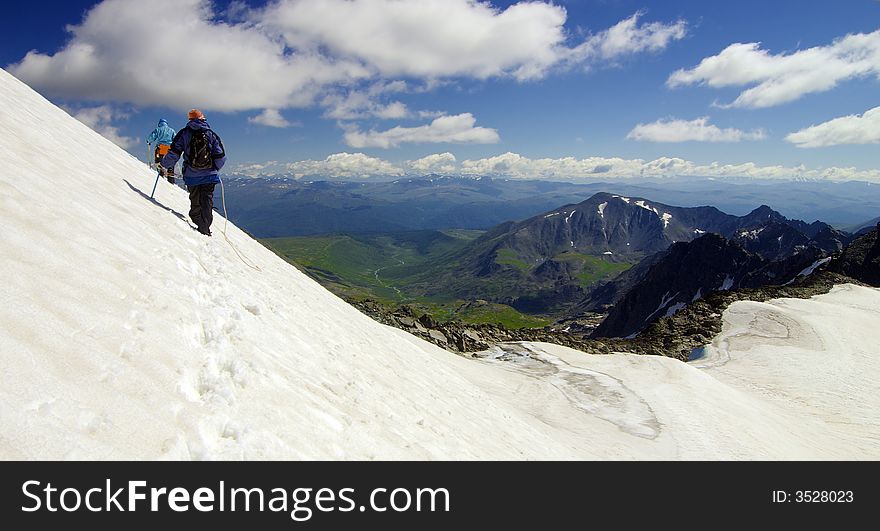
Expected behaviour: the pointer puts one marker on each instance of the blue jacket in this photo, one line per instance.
(161, 134)
(191, 176)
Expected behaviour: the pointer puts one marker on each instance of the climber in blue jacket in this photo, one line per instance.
(161, 137)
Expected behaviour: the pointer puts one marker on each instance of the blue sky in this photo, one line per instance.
(575, 89)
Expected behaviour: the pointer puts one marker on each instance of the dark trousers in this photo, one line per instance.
(201, 206)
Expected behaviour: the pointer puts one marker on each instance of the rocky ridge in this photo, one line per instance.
(675, 336)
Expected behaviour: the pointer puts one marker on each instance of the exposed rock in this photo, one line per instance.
(675, 336)
(861, 260)
(438, 336)
(689, 271)
(771, 254)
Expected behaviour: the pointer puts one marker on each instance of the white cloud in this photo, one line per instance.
(429, 38)
(395, 109)
(347, 56)
(852, 129)
(354, 104)
(358, 105)
(459, 129)
(271, 118)
(699, 130)
(448, 38)
(442, 163)
(430, 114)
(344, 165)
(627, 37)
(515, 166)
(589, 169)
(270, 167)
(781, 78)
(285, 54)
(116, 54)
(100, 119)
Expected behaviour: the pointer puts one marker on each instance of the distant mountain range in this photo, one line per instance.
(760, 248)
(863, 227)
(636, 258)
(279, 207)
(282, 206)
(614, 225)
(552, 262)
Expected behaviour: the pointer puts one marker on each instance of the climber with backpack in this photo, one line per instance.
(161, 137)
(203, 157)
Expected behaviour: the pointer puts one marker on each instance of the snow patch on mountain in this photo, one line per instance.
(726, 284)
(672, 310)
(642, 204)
(809, 270)
(753, 234)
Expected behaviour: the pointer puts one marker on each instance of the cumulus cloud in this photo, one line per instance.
(101, 119)
(254, 169)
(430, 38)
(442, 163)
(459, 129)
(271, 118)
(450, 38)
(346, 56)
(229, 67)
(344, 165)
(515, 166)
(285, 54)
(852, 129)
(699, 130)
(780, 78)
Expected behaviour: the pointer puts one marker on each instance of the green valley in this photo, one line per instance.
(433, 271)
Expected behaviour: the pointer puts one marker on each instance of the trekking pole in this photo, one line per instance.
(155, 184)
(150, 163)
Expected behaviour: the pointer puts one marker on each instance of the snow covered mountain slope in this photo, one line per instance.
(125, 334)
(815, 359)
(786, 379)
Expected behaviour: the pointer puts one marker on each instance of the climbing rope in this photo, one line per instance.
(225, 223)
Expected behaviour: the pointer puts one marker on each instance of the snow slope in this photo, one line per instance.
(125, 334)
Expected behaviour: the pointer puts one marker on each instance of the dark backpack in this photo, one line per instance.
(199, 153)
